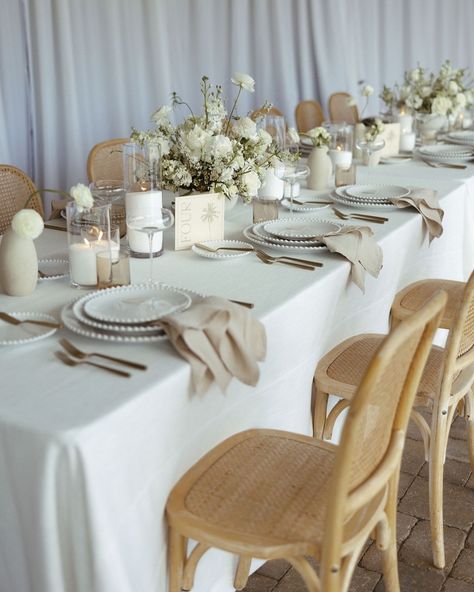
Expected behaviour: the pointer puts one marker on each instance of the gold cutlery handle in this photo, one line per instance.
(295, 264)
(304, 261)
(121, 361)
(368, 219)
(44, 323)
(246, 304)
(108, 369)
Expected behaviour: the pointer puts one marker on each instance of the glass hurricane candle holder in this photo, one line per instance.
(341, 143)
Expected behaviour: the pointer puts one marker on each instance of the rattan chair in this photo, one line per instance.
(15, 189)
(445, 387)
(274, 494)
(308, 114)
(339, 110)
(105, 160)
(256, 115)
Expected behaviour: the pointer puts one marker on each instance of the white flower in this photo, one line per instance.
(319, 136)
(244, 81)
(218, 146)
(161, 115)
(460, 100)
(245, 128)
(414, 102)
(251, 183)
(197, 138)
(453, 88)
(425, 91)
(441, 105)
(27, 224)
(265, 138)
(351, 102)
(415, 75)
(82, 196)
(367, 90)
(293, 135)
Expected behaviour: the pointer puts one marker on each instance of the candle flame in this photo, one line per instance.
(101, 234)
(87, 242)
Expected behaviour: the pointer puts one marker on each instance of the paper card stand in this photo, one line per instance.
(198, 218)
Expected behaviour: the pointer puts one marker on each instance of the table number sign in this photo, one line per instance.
(198, 218)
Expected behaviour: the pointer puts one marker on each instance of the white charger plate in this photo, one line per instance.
(26, 332)
(376, 192)
(298, 247)
(138, 303)
(222, 255)
(339, 196)
(298, 228)
(304, 208)
(55, 269)
(260, 232)
(395, 159)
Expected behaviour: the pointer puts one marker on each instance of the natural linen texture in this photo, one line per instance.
(358, 246)
(220, 340)
(426, 202)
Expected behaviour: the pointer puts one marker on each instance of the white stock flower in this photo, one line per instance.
(245, 128)
(319, 136)
(414, 101)
(244, 81)
(293, 135)
(441, 105)
(27, 224)
(265, 138)
(251, 183)
(351, 102)
(82, 196)
(367, 90)
(161, 115)
(415, 75)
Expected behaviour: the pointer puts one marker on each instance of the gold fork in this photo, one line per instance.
(287, 257)
(65, 359)
(268, 261)
(366, 217)
(14, 321)
(77, 353)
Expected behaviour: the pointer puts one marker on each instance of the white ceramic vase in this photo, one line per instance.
(320, 168)
(272, 187)
(18, 264)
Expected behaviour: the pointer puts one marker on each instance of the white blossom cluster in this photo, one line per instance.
(319, 136)
(214, 151)
(445, 94)
(374, 127)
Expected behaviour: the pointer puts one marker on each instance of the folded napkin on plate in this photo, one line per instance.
(426, 202)
(356, 244)
(220, 340)
(57, 205)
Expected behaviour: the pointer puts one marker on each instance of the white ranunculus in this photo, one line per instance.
(351, 102)
(219, 146)
(293, 135)
(251, 183)
(27, 224)
(460, 100)
(82, 196)
(441, 105)
(161, 114)
(196, 138)
(367, 90)
(245, 128)
(244, 81)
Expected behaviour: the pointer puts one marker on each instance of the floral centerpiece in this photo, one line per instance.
(319, 136)
(446, 93)
(212, 151)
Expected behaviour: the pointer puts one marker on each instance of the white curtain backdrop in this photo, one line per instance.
(76, 72)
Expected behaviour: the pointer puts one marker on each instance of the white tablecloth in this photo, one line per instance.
(87, 459)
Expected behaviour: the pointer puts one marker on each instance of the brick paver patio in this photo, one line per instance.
(417, 573)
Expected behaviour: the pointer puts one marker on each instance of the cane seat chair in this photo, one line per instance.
(105, 160)
(308, 114)
(340, 110)
(445, 388)
(15, 189)
(275, 494)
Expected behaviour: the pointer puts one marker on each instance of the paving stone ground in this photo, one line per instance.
(416, 570)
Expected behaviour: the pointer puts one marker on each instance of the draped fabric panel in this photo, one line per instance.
(76, 72)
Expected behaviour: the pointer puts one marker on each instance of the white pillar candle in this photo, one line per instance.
(144, 203)
(406, 123)
(340, 157)
(82, 264)
(272, 187)
(407, 142)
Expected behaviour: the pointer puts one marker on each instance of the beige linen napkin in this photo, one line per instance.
(356, 243)
(57, 205)
(426, 202)
(220, 340)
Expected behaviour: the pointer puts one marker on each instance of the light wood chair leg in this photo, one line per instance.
(332, 417)
(320, 400)
(191, 564)
(436, 470)
(242, 573)
(469, 403)
(176, 559)
(308, 574)
(390, 564)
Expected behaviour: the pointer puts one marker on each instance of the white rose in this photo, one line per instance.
(245, 128)
(161, 115)
(265, 138)
(367, 90)
(244, 81)
(351, 102)
(453, 88)
(219, 146)
(441, 105)
(82, 196)
(460, 100)
(425, 91)
(251, 183)
(293, 135)
(27, 224)
(196, 138)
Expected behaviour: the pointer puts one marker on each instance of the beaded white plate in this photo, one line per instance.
(260, 232)
(339, 196)
(304, 208)
(376, 192)
(253, 238)
(446, 152)
(222, 255)
(139, 303)
(53, 268)
(26, 332)
(300, 228)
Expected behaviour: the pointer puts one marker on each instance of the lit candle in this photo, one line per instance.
(406, 123)
(407, 142)
(341, 157)
(82, 263)
(144, 203)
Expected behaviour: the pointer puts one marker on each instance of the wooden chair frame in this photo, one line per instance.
(93, 159)
(15, 189)
(353, 513)
(455, 391)
(308, 114)
(347, 113)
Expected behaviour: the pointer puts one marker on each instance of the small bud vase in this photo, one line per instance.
(18, 264)
(320, 167)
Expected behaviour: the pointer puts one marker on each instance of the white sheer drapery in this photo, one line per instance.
(76, 72)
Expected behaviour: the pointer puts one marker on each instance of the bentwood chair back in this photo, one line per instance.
(273, 494)
(339, 110)
(15, 189)
(308, 114)
(105, 160)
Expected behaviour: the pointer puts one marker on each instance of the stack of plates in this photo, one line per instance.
(465, 137)
(373, 196)
(291, 233)
(126, 313)
(446, 153)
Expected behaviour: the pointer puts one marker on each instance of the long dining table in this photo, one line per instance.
(87, 459)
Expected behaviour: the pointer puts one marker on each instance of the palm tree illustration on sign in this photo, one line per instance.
(209, 214)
